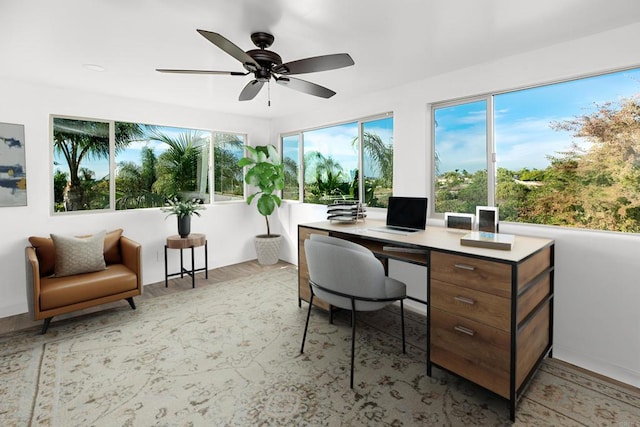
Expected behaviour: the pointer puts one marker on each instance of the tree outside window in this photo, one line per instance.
(567, 154)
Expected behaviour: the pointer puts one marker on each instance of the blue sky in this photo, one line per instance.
(522, 132)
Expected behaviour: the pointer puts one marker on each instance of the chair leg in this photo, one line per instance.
(353, 336)
(306, 325)
(45, 325)
(131, 303)
(404, 346)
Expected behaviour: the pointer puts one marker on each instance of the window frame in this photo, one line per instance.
(360, 122)
(113, 164)
(490, 133)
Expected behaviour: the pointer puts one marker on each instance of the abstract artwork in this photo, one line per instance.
(13, 175)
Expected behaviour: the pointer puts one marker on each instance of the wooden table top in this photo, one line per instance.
(192, 240)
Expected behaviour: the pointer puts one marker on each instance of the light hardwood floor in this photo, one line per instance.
(222, 274)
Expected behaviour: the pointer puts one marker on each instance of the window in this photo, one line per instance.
(565, 154)
(291, 162)
(154, 163)
(150, 164)
(331, 164)
(377, 163)
(460, 145)
(332, 160)
(228, 179)
(81, 158)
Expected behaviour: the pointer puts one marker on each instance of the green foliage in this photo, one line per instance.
(177, 167)
(291, 189)
(182, 208)
(227, 178)
(266, 173)
(59, 183)
(596, 188)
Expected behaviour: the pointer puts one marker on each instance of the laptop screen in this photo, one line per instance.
(408, 212)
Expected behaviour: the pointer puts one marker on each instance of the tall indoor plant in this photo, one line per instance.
(265, 172)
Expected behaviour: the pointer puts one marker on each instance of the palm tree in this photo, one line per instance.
(179, 165)
(134, 183)
(327, 174)
(380, 154)
(79, 140)
(227, 150)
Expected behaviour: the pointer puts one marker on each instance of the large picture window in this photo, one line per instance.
(333, 157)
(119, 165)
(565, 154)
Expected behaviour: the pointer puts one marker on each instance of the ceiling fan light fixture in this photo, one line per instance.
(265, 64)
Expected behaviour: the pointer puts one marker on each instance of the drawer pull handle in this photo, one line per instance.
(464, 330)
(464, 300)
(465, 266)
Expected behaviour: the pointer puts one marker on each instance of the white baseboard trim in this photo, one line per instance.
(12, 310)
(618, 373)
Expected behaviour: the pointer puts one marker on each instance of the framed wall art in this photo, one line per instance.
(13, 175)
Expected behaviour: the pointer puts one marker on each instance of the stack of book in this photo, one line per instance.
(346, 211)
(484, 239)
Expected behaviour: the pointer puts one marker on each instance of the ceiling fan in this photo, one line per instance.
(265, 64)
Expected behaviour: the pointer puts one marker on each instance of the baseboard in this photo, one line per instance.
(618, 373)
(12, 310)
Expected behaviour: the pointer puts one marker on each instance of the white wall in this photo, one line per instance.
(597, 285)
(229, 226)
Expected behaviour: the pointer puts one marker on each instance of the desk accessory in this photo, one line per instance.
(346, 211)
(483, 239)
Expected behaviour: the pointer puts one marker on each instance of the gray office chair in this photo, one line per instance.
(348, 276)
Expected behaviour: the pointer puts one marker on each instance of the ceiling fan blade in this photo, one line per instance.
(316, 63)
(224, 73)
(305, 86)
(250, 90)
(230, 48)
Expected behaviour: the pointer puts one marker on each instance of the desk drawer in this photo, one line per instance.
(486, 276)
(472, 350)
(482, 307)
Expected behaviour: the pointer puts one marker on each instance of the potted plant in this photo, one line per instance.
(183, 209)
(265, 172)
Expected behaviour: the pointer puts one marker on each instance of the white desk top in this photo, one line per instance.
(436, 238)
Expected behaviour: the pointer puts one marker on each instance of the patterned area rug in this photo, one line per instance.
(229, 355)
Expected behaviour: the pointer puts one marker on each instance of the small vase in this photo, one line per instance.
(184, 225)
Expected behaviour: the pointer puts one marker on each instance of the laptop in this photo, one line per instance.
(405, 215)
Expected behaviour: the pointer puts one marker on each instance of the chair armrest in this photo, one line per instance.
(131, 254)
(33, 280)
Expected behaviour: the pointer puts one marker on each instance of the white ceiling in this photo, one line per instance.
(392, 42)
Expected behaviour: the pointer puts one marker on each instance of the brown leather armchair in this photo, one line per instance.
(51, 296)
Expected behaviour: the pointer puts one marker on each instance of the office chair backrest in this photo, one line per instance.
(346, 269)
(340, 242)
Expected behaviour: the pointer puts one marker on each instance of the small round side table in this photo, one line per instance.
(192, 241)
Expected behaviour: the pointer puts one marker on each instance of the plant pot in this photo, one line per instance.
(184, 226)
(268, 248)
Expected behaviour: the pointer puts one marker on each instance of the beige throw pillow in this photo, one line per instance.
(77, 255)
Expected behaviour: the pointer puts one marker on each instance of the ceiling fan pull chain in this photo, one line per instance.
(269, 93)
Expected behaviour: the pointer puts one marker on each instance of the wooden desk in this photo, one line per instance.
(489, 312)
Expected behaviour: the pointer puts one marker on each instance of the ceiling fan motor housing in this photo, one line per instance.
(267, 59)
